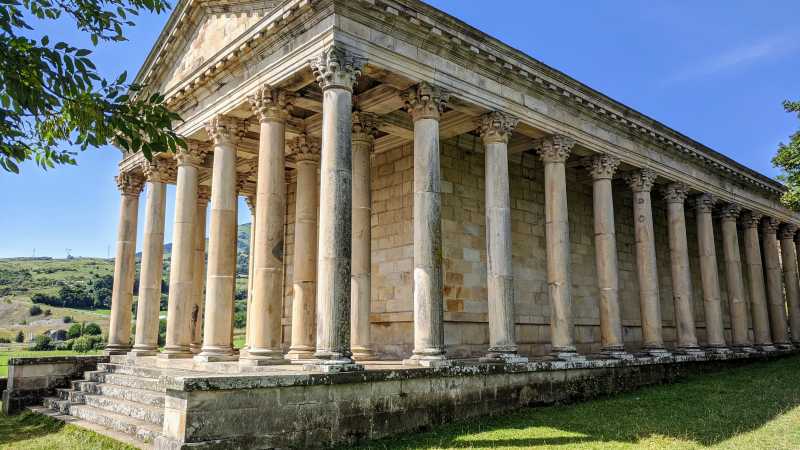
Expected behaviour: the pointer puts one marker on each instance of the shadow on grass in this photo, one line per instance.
(705, 410)
(29, 431)
(25, 426)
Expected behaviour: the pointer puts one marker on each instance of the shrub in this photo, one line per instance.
(66, 345)
(82, 345)
(47, 312)
(75, 331)
(42, 343)
(67, 319)
(240, 320)
(35, 310)
(92, 329)
(5, 341)
(20, 337)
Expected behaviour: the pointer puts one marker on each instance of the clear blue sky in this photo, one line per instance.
(716, 71)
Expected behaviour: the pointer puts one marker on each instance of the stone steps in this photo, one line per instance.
(140, 429)
(129, 381)
(138, 371)
(99, 429)
(136, 410)
(143, 396)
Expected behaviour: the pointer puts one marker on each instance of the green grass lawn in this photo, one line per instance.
(105, 312)
(755, 407)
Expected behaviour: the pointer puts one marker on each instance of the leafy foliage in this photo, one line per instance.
(92, 329)
(788, 160)
(42, 343)
(51, 94)
(34, 310)
(20, 337)
(75, 331)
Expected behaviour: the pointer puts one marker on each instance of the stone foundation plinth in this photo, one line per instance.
(288, 407)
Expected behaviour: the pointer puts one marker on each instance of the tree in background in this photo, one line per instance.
(51, 94)
(788, 160)
(42, 343)
(92, 329)
(34, 310)
(20, 337)
(74, 331)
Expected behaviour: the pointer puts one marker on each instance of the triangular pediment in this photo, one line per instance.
(194, 34)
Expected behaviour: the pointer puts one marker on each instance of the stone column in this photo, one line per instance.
(157, 173)
(119, 331)
(181, 277)
(425, 104)
(675, 195)
(336, 71)
(641, 183)
(789, 260)
(273, 108)
(305, 149)
(364, 129)
(601, 168)
(796, 335)
(772, 270)
(709, 273)
(198, 288)
(554, 151)
(755, 273)
(251, 204)
(226, 134)
(495, 130)
(733, 274)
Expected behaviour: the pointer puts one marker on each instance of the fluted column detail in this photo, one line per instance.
(364, 130)
(198, 288)
(602, 168)
(779, 325)
(641, 183)
(181, 280)
(709, 273)
(306, 151)
(740, 338)
(226, 133)
(755, 273)
(425, 104)
(554, 151)
(272, 107)
(495, 130)
(786, 235)
(119, 330)
(157, 173)
(336, 70)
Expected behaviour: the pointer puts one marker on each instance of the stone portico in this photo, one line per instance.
(426, 196)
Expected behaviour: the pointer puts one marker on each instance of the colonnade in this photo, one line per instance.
(332, 254)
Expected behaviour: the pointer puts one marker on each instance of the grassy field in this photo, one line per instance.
(756, 407)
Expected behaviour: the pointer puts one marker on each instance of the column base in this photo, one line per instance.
(654, 351)
(765, 348)
(258, 361)
(783, 345)
(216, 354)
(690, 350)
(743, 349)
(196, 348)
(143, 351)
(568, 353)
(116, 349)
(176, 355)
(615, 352)
(719, 350)
(503, 358)
(333, 366)
(297, 355)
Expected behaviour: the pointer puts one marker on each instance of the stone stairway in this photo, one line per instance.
(123, 402)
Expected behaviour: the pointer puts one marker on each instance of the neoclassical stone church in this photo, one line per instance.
(443, 227)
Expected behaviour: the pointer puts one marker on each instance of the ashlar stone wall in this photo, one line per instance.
(464, 235)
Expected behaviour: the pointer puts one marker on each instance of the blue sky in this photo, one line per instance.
(716, 71)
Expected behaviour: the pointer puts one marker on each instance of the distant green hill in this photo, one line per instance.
(244, 242)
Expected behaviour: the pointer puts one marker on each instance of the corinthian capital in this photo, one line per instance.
(365, 126)
(675, 192)
(305, 148)
(158, 170)
(770, 224)
(640, 180)
(602, 166)
(272, 105)
(251, 203)
(787, 231)
(129, 183)
(193, 155)
(729, 212)
(337, 68)
(554, 149)
(425, 101)
(704, 203)
(203, 195)
(496, 126)
(751, 219)
(225, 130)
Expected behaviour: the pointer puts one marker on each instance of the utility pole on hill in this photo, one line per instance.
(68, 250)
(34, 253)
(108, 255)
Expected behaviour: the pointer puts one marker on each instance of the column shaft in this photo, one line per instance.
(772, 270)
(305, 257)
(124, 266)
(221, 253)
(733, 275)
(789, 259)
(199, 286)
(181, 284)
(602, 168)
(709, 273)
(641, 182)
(267, 307)
(755, 273)
(150, 278)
